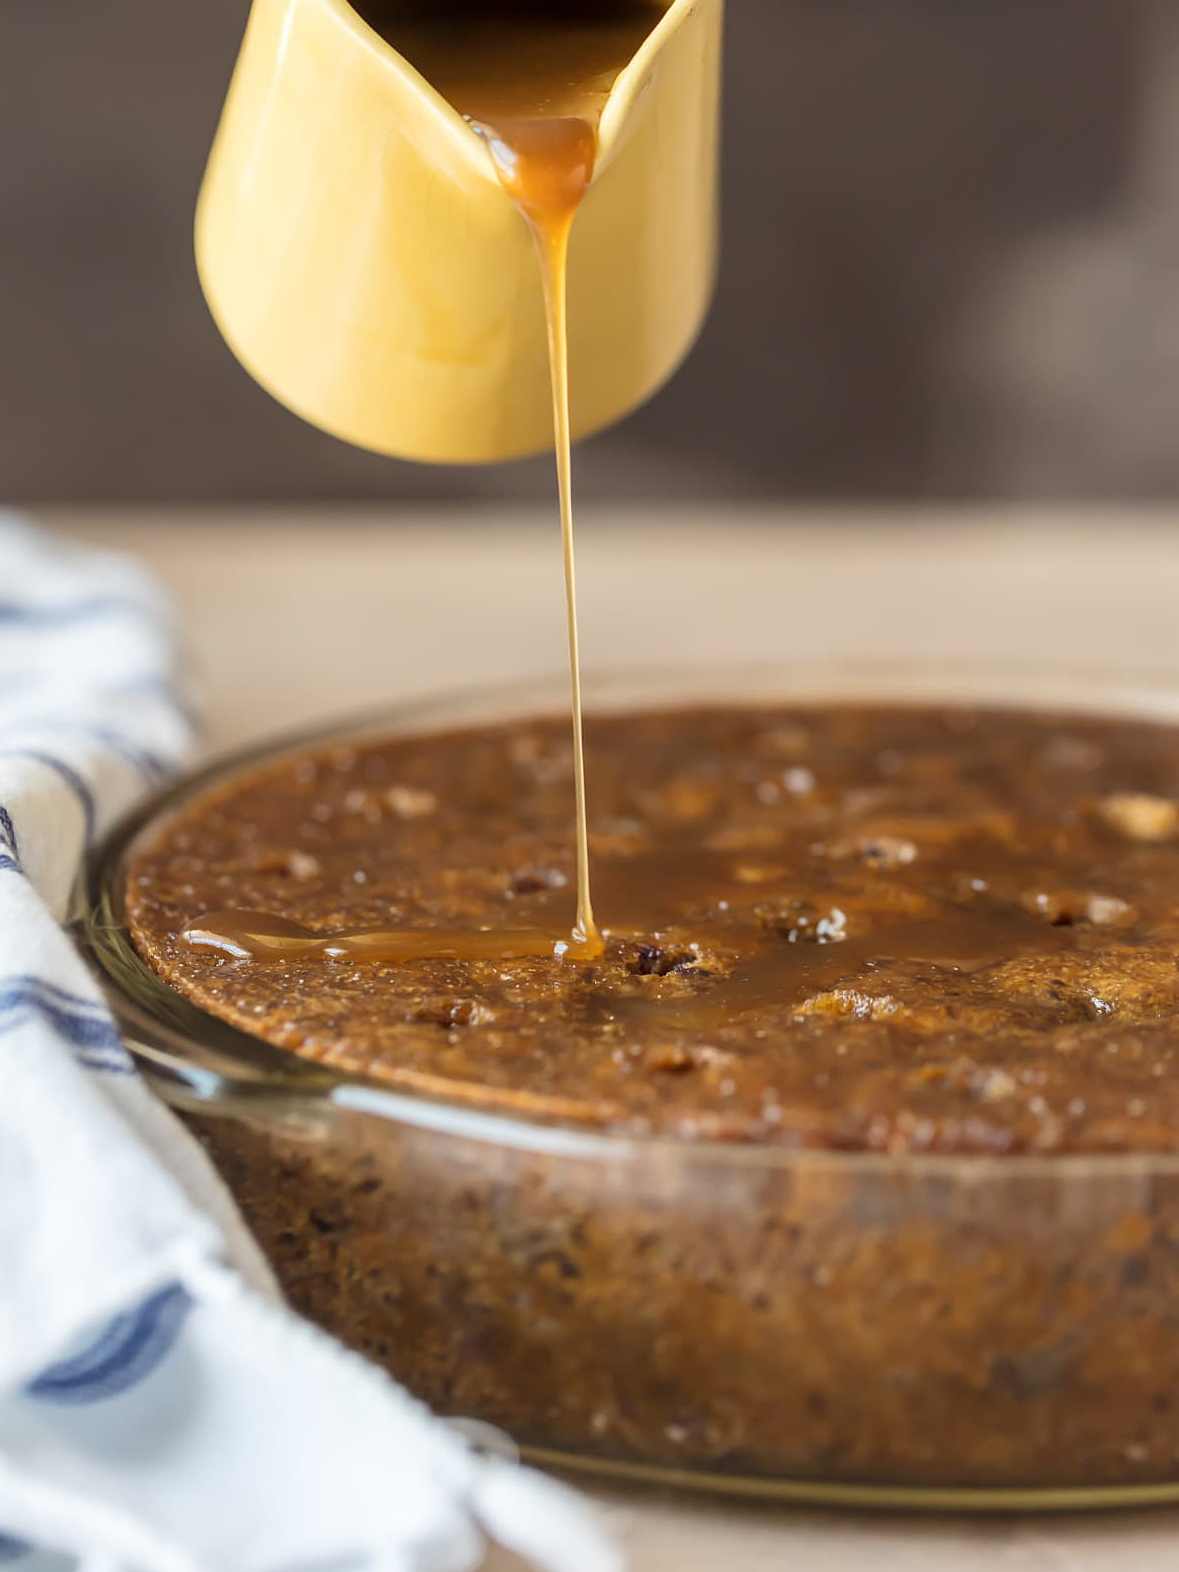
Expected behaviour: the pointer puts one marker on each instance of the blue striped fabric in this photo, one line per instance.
(127, 1350)
(83, 1025)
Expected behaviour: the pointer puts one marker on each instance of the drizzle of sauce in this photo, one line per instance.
(683, 908)
(532, 80)
(264, 936)
(546, 167)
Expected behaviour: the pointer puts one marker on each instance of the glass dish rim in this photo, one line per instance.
(278, 1082)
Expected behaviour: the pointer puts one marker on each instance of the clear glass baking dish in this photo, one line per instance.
(902, 1331)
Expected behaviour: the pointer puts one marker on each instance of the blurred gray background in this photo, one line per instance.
(950, 267)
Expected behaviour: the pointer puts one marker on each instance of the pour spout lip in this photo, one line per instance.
(630, 81)
(627, 85)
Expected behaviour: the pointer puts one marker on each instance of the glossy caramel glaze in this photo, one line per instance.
(903, 929)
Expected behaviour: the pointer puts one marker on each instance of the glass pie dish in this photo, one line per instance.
(916, 1330)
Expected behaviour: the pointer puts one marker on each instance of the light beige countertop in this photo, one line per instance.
(293, 616)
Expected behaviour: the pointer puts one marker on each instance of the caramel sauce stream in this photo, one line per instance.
(533, 82)
(546, 166)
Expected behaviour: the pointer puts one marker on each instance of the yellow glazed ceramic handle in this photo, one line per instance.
(364, 264)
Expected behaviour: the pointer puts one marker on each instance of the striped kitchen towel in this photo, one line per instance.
(160, 1409)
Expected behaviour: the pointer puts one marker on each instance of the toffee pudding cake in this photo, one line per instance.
(941, 932)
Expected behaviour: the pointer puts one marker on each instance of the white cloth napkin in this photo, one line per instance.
(160, 1409)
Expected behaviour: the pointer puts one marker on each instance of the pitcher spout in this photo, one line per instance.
(365, 264)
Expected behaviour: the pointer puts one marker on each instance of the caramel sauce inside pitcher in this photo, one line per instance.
(532, 80)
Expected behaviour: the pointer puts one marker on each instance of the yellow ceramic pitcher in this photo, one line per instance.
(366, 266)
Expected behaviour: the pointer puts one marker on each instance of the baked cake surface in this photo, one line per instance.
(896, 929)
